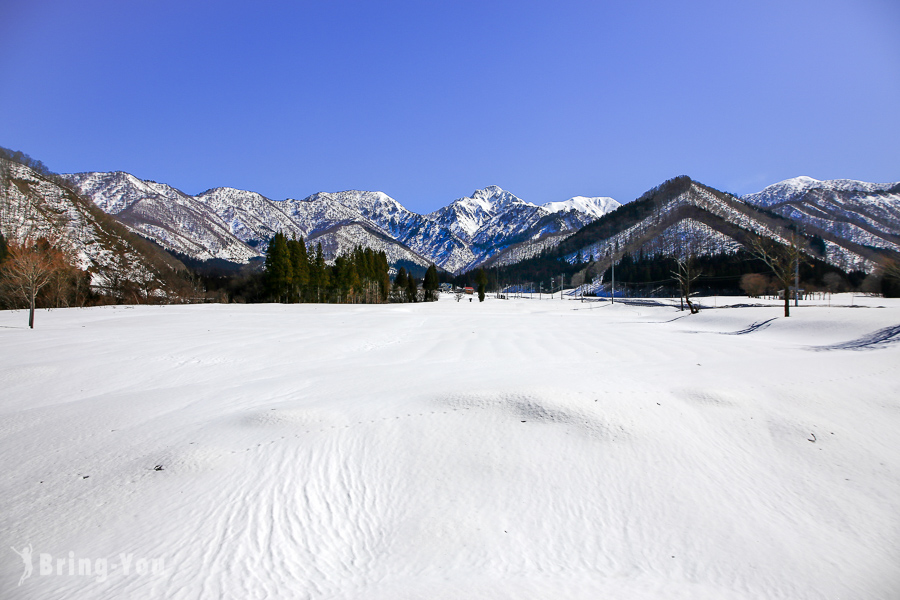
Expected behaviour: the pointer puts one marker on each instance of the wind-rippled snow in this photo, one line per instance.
(505, 449)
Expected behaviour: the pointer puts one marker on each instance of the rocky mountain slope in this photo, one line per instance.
(867, 214)
(851, 221)
(847, 225)
(236, 225)
(36, 204)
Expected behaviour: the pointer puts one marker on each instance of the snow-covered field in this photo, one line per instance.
(511, 449)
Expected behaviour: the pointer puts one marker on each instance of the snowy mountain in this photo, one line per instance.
(492, 220)
(591, 206)
(236, 225)
(792, 189)
(862, 213)
(36, 205)
(852, 222)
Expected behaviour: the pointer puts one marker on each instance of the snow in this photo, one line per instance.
(236, 225)
(505, 449)
(597, 207)
(791, 189)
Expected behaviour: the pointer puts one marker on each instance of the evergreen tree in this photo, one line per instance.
(343, 272)
(323, 279)
(400, 281)
(299, 269)
(382, 273)
(481, 279)
(278, 268)
(3, 248)
(412, 289)
(431, 284)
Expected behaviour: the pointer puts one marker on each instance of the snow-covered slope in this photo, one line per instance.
(794, 188)
(860, 212)
(683, 216)
(236, 225)
(492, 220)
(597, 206)
(34, 205)
(428, 239)
(521, 450)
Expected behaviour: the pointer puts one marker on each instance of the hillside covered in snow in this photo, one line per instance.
(852, 227)
(38, 205)
(867, 214)
(236, 225)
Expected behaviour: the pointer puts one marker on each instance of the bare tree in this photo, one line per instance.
(782, 259)
(890, 278)
(686, 274)
(27, 269)
(833, 282)
(754, 284)
(689, 246)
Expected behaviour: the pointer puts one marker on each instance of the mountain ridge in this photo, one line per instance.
(236, 225)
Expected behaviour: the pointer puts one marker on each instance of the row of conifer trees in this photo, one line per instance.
(295, 274)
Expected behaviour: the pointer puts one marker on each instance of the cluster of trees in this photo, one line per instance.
(294, 273)
(40, 274)
(406, 287)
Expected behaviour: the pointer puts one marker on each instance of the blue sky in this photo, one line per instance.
(429, 100)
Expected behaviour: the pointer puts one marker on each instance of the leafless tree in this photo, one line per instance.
(754, 284)
(27, 269)
(686, 274)
(891, 269)
(833, 282)
(689, 246)
(782, 259)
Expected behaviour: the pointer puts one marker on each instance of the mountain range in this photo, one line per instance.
(236, 225)
(850, 224)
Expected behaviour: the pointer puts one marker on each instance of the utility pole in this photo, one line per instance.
(797, 281)
(613, 285)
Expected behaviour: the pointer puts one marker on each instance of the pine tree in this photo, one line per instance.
(384, 278)
(323, 279)
(400, 281)
(481, 279)
(278, 268)
(412, 289)
(343, 272)
(299, 269)
(431, 284)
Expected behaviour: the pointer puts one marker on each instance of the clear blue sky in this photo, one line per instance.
(428, 100)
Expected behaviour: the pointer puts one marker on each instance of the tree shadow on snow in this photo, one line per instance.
(877, 339)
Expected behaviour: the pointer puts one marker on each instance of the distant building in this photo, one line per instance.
(469, 290)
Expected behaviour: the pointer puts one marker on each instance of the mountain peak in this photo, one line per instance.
(595, 206)
(491, 190)
(793, 188)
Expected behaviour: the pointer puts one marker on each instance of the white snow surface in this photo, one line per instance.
(791, 189)
(597, 206)
(507, 449)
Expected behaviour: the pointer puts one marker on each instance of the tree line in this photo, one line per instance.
(295, 273)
